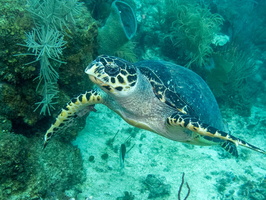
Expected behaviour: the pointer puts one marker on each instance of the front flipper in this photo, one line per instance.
(81, 104)
(193, 124)
(230, 147)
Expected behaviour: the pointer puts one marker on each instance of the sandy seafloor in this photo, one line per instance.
(210, 171)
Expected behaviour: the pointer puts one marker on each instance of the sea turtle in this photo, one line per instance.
(158, 96)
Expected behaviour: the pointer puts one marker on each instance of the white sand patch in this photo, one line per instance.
(210, 172)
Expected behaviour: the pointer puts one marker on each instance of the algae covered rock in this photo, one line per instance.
(156, 186)
(19, 69)
(13, 170)
(5, 124)
(26, 171)
(58, 168)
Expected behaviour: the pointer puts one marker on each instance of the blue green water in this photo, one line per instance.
(45, 47)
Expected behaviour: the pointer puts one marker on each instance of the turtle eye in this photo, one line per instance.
(111, 69)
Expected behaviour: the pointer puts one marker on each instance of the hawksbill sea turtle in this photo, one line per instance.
(158, 96)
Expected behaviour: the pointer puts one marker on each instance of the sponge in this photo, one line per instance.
(120, 27)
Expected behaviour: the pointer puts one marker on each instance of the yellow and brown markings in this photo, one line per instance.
(230, 147)
(193, 124)
(71, 111)
(113, 74)
(165, 95)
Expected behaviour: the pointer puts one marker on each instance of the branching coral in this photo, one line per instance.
(126, 52)
(228, 78)
(56, 13)
(46, 42)
(192, 31)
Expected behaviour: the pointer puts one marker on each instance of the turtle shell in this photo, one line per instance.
(183, 90)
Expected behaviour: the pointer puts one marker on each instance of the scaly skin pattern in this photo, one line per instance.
(193, 124)
(71, 110)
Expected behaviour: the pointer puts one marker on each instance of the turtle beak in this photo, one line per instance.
(95, 80)
(94, 70)
(103, 85)
(90, 69)
(96, 73)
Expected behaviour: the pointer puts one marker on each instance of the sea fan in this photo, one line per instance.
(47, 45)
(46, 42)
(192, 31)
(49, 92)
(57, 13)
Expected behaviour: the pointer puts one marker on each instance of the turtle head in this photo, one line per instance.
(112, 74)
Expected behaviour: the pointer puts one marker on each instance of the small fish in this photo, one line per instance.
(123, 150)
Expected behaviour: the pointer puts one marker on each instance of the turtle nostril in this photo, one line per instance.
(112, 70)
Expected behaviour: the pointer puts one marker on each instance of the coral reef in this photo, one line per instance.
(240, 61)
(230, 77)
(126, 52)
(15, 104)
(119, 28)
(253, 190)
(27, 172)
(18, 84)
(156, 186)
(47, 45)
(152, 29)
(17, 91)
(46, 42)
(193, 28)
(13, 171)
(127, 196)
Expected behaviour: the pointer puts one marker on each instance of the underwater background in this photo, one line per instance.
(45, 47)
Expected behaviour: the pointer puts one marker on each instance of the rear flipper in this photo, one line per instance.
(80, 105)
(193, 124)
